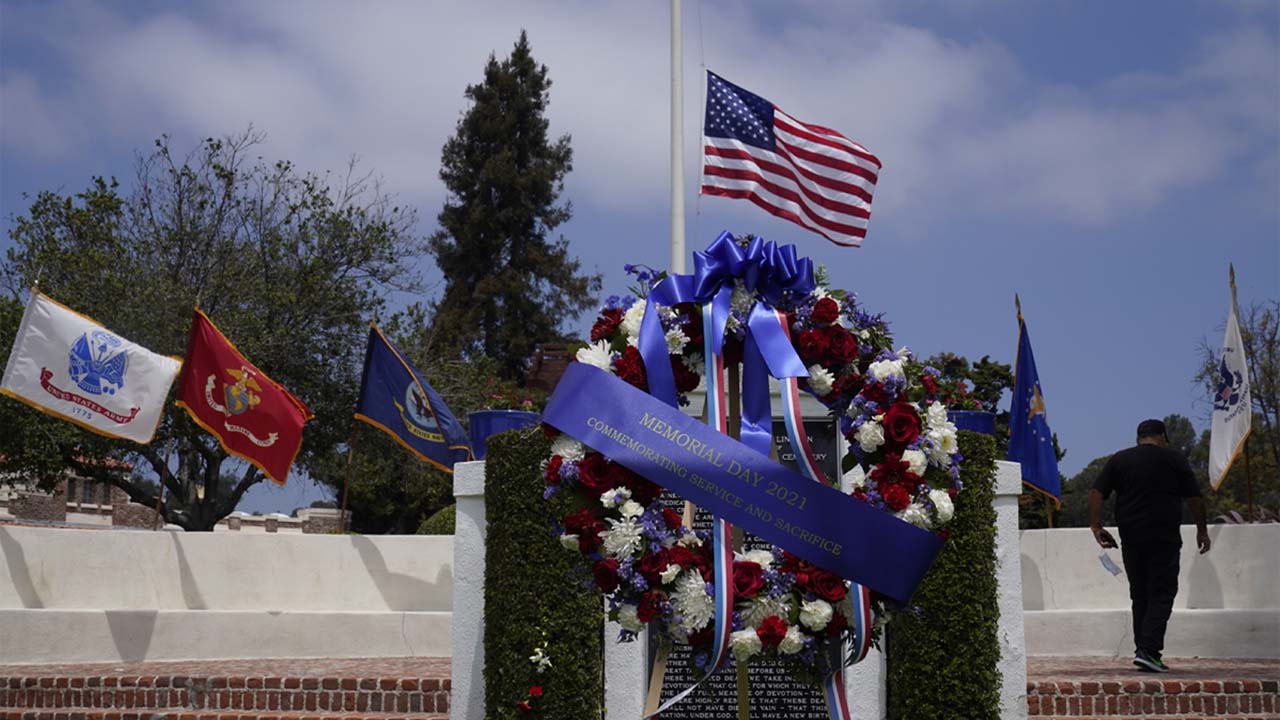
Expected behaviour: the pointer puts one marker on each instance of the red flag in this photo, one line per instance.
(251, 415)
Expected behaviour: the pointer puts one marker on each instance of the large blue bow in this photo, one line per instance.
(775, 272)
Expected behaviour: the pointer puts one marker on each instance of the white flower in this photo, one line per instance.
(870, 436)
(631, 321)
(570, 542)
(597, 354)
(937, 416)
(692, 603)
(761, 607)
(742, 300)
(631, 509)
(627, 618)
(904, 353)
(623, 538)
(916, 515)
(744, 644)
(568, 448)
(916, 461)
(855, 478)
(820, 380)
(864, 334)
(815, 614)
(540, 659)
(942, 501)
(690, 539)
(792, 642)
(695, 363)
(882, 370)
(676, 340)
(612, 498)
(670, 574)
(763, 558)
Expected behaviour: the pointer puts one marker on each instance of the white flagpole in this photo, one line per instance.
(677, 141)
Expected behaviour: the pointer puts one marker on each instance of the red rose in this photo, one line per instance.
(549, 432)
(876, 394)
(812, 346)
(838, 623)
(771, 631)
(686, 379)
(648, 606)
(576, 523)
(673, 520)
(524, 706)
(825, 311)
(692, 324)
(748, 579)
(606, 324)
(893, 470)
(702, 637)
(594, 475)
(605, 573)
(930, 384)
(630, 368)
(842, 346)
(846, 384)
(651, 567)
(553, 470)
(825, 585)
(895, 496)
(535, 691)
(901, 424)
(589, 541)
(682, 556)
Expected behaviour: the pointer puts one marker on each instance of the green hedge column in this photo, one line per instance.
(944, 649)
(534, 591)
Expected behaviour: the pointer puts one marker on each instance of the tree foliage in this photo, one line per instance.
(508, 285)
(291, 266)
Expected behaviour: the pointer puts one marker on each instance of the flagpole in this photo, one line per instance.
(164, 470)
(677, 140)
(346, 482)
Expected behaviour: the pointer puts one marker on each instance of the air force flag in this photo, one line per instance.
(1232, 405)
(69, 366)
(395, 399)
(1030, 440)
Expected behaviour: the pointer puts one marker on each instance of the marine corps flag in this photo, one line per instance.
(253, 417)
(395, 399)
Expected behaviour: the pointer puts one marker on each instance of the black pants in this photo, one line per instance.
(1152, 568)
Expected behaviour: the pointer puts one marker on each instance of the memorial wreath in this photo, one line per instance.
(658, 572)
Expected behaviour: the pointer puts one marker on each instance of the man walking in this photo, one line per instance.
(1150, 481)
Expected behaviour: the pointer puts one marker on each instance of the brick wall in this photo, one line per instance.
(125, 513)
(1147, 697)
(48, 507)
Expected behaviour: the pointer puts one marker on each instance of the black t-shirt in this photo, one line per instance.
(1150, 483)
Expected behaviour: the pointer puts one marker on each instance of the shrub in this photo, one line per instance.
(441, 523)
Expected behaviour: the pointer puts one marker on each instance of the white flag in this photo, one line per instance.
(70, 366)
(1232, 405)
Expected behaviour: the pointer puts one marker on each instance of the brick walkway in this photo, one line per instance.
(421, 667)
(1049, 669)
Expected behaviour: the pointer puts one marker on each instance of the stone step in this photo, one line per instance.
(279, 688)
(99, 714)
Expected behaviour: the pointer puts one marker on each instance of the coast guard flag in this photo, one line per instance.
(70, 366)
(808, 174)
(1030, 440)
(253, 417)
(1232, 404)
(396, 399)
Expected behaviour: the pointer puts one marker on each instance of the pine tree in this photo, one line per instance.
(508, 284)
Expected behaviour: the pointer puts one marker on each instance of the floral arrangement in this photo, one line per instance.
(656, 571)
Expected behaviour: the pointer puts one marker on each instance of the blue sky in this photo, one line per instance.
(1104, 160)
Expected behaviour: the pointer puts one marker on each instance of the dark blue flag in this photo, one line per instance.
(396, 399)
(1030, 440)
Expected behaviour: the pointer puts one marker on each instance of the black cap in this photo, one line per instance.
(1151, 428)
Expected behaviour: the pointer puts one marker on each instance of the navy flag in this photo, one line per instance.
(1030, 440)
(395, 399)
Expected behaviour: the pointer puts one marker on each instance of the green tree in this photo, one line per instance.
(291, 266)
(508, 285)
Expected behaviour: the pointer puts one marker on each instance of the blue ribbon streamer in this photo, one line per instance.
(817, 523)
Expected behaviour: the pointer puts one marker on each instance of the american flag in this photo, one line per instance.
(808, 174)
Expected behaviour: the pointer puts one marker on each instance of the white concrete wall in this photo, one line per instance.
(69, 595)
(1227, 604)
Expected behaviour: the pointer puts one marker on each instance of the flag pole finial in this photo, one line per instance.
(1017, 303)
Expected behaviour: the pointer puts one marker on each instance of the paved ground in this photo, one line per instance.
(1050, 669)
(437, 667)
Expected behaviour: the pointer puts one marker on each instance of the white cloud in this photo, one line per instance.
(957, 123)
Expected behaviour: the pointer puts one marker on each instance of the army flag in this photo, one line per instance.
(1232, 404)
(253, 417)
(396, 399)
(72, 367)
